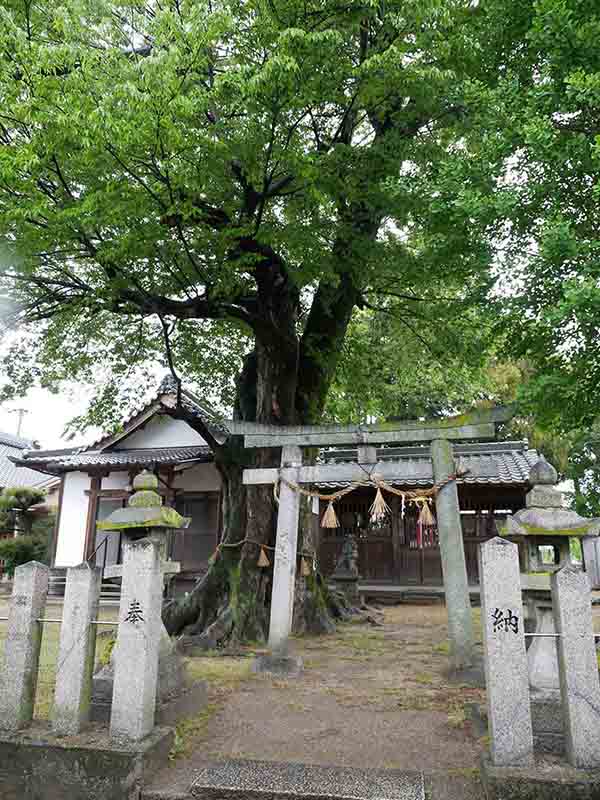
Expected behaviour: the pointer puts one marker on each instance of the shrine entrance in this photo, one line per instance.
(400, 550)
(373, 471)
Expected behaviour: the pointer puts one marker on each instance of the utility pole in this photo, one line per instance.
(21, 413)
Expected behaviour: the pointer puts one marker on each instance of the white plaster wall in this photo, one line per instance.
(162, 431)
(73, 517)
(200, 478)
(116, 480)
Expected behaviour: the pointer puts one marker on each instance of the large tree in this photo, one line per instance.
(550, 119)
(224, 184)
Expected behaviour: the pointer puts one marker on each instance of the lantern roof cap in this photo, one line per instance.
(543, 473)
(145, 509)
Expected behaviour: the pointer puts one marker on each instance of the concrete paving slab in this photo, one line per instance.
(259, 779)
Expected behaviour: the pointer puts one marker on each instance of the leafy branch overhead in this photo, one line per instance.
(169, 172)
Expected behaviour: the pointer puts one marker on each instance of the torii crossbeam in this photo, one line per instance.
(439, 433)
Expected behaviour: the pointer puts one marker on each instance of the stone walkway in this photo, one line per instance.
(370, 697)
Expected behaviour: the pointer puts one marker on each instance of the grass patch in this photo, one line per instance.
(44, 697)
(189, 730)
(220, 671)
(457, 716)
(423, 677)
(463, 772)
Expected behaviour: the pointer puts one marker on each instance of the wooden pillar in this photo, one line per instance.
(90, 529)
(454, 569)
(397, 522)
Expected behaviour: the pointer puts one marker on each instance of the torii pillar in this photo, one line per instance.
(454, 568)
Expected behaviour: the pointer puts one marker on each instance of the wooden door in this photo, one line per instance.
(193, 546)
(375, 546)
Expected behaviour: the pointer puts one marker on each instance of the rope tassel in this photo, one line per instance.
(426, 518)
(380, 508)
(263, 559)
(329, 518)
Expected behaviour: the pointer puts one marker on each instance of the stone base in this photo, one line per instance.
(282, 666)
(263, 780)
(36, 765)
(171, 682)
(189, 701)
(546, 716)
(549, 778)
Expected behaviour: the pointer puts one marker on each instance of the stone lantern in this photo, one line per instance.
(144, 517)
(543, 531)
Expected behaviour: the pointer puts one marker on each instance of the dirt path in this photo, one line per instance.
(373, 697)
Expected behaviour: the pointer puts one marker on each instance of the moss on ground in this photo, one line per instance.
(189, 730)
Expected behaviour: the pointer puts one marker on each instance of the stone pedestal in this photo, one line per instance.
(171, 666)
(172, 679)
(136, 668)
(505, 657)
(548, 726)
(591, 559)
(18, 681)
(578, 667)
(77, 648)
(542, 653)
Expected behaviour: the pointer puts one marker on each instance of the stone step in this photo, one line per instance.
(266, 780)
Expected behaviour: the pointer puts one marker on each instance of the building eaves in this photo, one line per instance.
(15, 441)
(121, 459)
(495, 464)
(13, 475)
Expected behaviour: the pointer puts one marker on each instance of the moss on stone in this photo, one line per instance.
(532, 530)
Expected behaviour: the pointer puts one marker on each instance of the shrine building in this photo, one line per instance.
(396, 551)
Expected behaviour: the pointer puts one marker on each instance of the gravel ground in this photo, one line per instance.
(371, 697)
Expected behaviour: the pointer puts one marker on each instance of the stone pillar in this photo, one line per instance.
(138, 641)
(284, 572)
(456, 586)
(73, 692)
(578, 668)
(590, 546)
(506, 675)
(18, 682)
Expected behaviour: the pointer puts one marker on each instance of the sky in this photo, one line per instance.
(46, 417)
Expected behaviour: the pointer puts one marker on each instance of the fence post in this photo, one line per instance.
(137, 647)
(577, 666)
(73, 692)
(506, 674)
(22, 647)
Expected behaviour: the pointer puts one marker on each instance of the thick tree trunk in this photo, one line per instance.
(231, 603)
(284, 381)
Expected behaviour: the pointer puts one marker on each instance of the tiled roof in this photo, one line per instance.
(55, 461)
(15, 441)
(10, 474)
(191, 404)
(494, 463)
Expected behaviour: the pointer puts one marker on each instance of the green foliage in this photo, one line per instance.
(15, 503)
(548, 106)
(21, 549)
(390, 368)
(249, 173)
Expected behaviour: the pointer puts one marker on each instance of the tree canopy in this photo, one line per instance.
(551, 248)
(214, 185)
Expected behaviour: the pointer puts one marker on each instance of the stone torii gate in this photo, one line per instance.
(438, 433)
